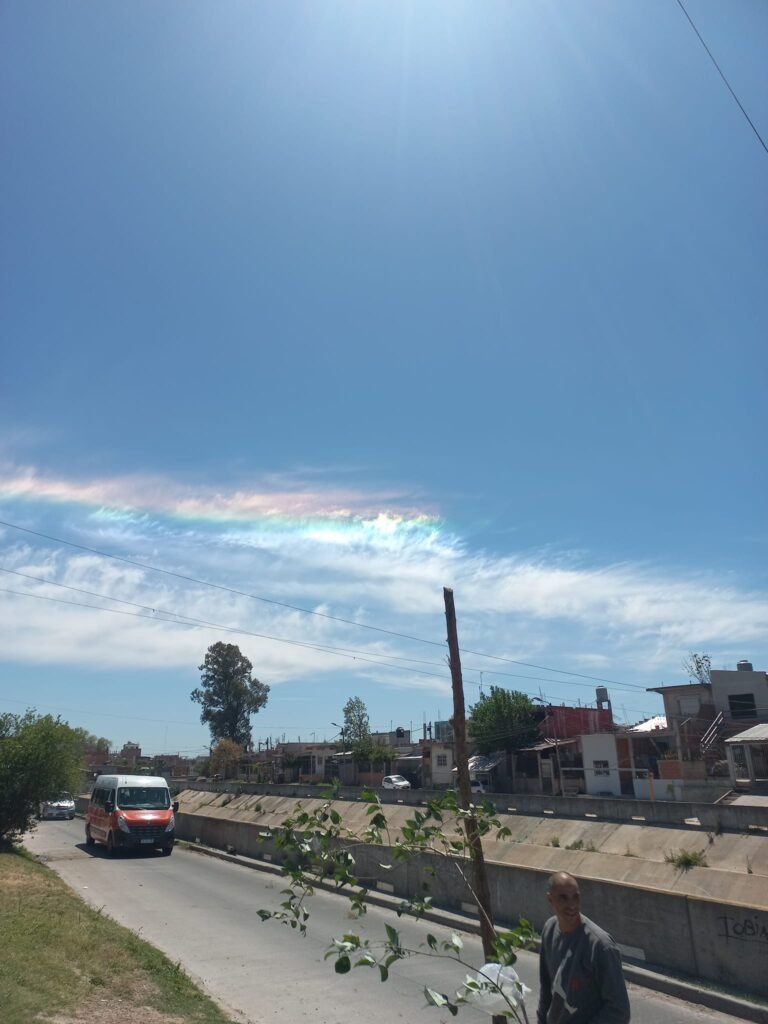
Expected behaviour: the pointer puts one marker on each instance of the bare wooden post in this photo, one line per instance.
(480, 879)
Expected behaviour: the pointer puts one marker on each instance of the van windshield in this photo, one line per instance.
(143, 798)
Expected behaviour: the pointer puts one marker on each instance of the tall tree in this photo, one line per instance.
(228, 694)
(502, 720)
(357, 729)
(39, 757)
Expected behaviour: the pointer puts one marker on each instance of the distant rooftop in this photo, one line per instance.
(657, 722)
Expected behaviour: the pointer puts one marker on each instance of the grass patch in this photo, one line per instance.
(686, 859)
(554, 841)
(61, 956)
(579, 844)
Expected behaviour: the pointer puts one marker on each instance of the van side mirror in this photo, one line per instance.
(175, 806)
(109, 806)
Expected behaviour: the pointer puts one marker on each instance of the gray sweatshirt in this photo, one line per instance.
(581, 977)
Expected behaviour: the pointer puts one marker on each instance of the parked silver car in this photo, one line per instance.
(61, 806)
(395, 782)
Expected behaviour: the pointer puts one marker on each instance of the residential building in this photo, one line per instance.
(705, 719)
(437, 764)
(741, 695)
(562, 722)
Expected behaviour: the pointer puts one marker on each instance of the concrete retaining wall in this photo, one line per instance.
(708, 939)
(711, 816)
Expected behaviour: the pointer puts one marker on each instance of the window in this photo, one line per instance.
(442, 760)
(742, 705)
(601, 767)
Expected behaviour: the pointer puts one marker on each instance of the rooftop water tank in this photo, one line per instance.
(744, 666)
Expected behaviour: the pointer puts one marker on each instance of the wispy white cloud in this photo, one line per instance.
(386, 568)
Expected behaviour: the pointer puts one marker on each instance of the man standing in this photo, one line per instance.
(579, 966)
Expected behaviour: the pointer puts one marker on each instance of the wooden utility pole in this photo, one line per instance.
(480, 878)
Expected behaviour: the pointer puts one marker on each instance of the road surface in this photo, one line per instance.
(202, 912)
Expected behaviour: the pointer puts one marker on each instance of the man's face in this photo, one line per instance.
(565, 900)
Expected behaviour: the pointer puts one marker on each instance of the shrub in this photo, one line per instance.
(686, 859)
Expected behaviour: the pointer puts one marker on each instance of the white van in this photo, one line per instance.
(131, 812)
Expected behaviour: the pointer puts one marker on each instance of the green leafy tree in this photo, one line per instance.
(91, 743)
(229, 695)
(225, 758)
(381, 756)
(356, 735)
(319, 847)
(502, 720)
(39, 757)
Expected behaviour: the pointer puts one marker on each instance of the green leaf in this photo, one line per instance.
(435, 998)
(392, 936)
(456, 942)
(342, 965)
(383, 972)
(432, 942)
(265, 915)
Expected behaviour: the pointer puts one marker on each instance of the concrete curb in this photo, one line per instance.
(688, 991)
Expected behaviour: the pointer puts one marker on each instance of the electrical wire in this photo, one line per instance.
(181, 619)
(309, 611)
(195, 624)
(722, 75)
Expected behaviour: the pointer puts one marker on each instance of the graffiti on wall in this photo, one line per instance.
(748, 928)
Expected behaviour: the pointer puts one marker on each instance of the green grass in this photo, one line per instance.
(686, 859)
(579, 844)
(60, 955)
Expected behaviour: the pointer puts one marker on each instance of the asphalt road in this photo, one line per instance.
(202, 912)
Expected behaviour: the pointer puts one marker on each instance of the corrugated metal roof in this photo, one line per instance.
(757, 734)
(480, 763)
(548, 745)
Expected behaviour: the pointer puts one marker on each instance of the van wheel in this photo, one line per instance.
(110, 845)
(89, 840)
(166, 850)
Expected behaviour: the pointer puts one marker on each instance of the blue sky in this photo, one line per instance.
(337, 303)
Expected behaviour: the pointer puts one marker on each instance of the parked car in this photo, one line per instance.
(61, 806)
(476, 786)
(395, 782)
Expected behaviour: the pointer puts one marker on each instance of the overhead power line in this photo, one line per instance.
(178, 618)
(722, 75)
(307, 611)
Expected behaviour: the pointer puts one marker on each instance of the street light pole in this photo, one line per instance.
(343, 751)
